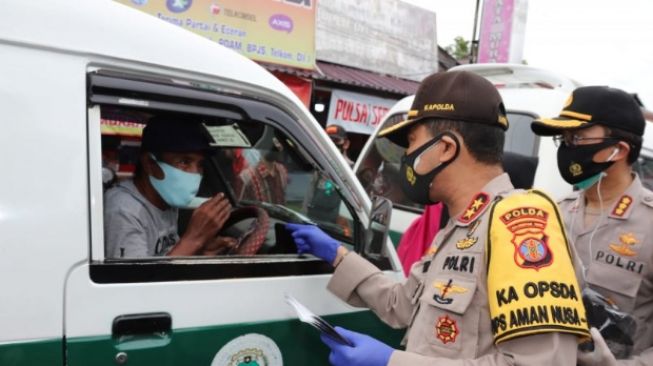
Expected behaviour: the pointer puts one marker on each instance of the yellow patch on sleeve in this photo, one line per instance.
(532, 286)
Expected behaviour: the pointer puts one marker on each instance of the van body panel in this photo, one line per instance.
(51, 208)
(541, 103)
(90, 27)
(41, 352)
(43, 195)
(199, 346)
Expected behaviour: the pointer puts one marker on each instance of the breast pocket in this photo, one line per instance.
(617, 284)
(446, 319)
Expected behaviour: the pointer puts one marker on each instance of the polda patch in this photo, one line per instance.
(527, 225)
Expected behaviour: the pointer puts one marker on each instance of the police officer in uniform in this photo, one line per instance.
(497, 286)
(609, 218)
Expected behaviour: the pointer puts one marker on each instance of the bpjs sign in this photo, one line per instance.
(357, 113)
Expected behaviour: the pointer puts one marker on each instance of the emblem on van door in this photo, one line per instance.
(249, 350)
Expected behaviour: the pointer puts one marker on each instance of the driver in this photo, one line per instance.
(140, 217)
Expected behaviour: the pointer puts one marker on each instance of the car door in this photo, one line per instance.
(217, 310)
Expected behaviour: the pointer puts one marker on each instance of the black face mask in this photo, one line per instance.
(417, 186)
(576, 164)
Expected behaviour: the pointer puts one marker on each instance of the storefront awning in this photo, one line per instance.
(366, 79)
(302, 73)
(349, 76)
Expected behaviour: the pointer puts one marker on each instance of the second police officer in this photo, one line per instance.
(609, 218)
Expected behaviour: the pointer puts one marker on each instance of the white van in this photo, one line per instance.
(78, 81)
(527, 93)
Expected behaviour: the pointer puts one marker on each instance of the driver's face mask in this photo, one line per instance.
(177, 188)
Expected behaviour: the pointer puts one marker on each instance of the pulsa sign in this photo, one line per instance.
(357, 113)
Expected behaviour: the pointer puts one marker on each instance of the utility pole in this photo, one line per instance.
(473, 54)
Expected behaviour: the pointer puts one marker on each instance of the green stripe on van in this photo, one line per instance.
(299, 343)
(395, 237)
(45, 352)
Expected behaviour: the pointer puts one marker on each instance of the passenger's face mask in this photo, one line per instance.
(577, 166)
(177, 188)
(417, 186)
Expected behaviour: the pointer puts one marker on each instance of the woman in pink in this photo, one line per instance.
(417, 239)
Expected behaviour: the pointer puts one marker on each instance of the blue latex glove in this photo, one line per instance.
(367, 351)
(310, 239)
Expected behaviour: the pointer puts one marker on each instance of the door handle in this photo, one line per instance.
(141, 324)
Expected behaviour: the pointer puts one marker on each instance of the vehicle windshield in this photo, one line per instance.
(380, 167)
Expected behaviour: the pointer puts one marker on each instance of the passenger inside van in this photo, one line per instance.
(141, 214)
(267, 180)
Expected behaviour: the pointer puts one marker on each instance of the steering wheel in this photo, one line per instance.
(251, 239)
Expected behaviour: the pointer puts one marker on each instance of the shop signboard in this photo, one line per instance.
(275, 31)
(502, 31)
(358, 113)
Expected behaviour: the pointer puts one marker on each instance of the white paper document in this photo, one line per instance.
(318, 323)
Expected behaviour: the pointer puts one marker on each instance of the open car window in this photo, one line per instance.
(253, 163)
(262, 160)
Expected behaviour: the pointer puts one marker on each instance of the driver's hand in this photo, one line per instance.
(219, 245)
(207, 220)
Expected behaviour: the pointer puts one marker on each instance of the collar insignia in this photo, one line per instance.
(620, 208)
(475, 208)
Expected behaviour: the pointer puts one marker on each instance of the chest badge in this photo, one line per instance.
(446, 329)
(445, 289)
(624, 248)
(469, 241)
(432, 250)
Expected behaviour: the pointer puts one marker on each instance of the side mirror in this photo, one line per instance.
(377, 231)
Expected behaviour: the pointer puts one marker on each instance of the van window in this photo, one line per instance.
(380, 167)
(258, 162)
(519, 137)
